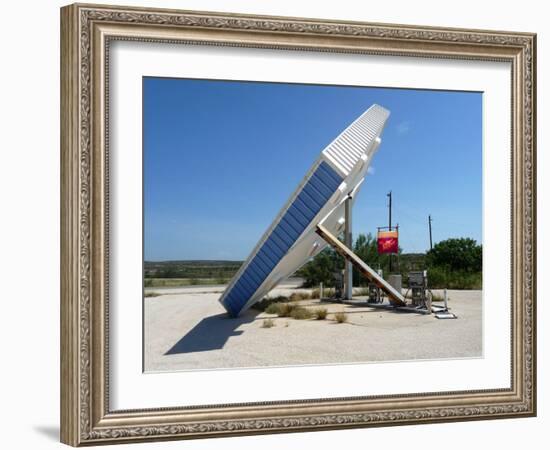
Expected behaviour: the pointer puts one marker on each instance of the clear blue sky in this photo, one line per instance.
(222, 157)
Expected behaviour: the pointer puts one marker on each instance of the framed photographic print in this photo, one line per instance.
(278, 224)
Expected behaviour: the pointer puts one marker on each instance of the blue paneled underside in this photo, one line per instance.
(309, 201)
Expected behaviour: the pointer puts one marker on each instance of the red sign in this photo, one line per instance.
(387, 242)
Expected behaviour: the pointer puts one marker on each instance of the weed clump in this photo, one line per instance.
(301, 313)
(341, 317)
(321, 313)
(297, 296)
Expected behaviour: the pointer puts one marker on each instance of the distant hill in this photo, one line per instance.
(206, 262)
(220, 269)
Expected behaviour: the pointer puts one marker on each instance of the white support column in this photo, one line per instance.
(348, 241)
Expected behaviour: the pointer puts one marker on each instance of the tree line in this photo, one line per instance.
(454, 263)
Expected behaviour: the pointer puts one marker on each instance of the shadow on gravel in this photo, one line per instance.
(211, 333)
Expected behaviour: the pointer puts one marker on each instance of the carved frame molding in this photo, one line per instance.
(86, 31)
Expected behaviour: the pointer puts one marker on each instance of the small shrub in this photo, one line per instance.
(285, 309)
(151, 294)
(327, 293)
(321, 313)
(297, 296)
(268, 323)
(273, 308)
(440, 278)
(282, 309)
(267, 301)
(300, 313)
(341, 317)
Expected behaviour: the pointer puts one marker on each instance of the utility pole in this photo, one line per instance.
(430, 227)
(389, 208)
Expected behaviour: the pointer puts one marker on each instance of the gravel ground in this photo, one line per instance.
(187, 329)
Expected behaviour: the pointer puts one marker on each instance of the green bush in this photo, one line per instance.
(440, 278)
(321, 268)
(456, 254)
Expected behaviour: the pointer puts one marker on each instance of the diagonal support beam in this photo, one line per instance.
(395, 298)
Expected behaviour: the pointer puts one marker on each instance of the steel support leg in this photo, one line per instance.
(348, 241)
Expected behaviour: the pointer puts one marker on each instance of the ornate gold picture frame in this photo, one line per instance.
(87, 32)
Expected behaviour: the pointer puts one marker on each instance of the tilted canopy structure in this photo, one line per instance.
(292, 239)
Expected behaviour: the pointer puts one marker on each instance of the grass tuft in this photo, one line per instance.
(320, 313)
(285, 309)
(341, 317)
(297, 296)
(301, 313)
(273, 308)
(289, 309)
(266, 302)
(268, 323)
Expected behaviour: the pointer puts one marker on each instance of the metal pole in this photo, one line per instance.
(389, 207)
(348, 241)
(389, 195)
(430, 227)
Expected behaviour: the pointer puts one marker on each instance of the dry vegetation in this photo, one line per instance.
(268, 323)
(301, 313)
(320, 313)
(341, 317)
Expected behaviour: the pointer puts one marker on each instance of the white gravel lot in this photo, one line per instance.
(187, 329)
